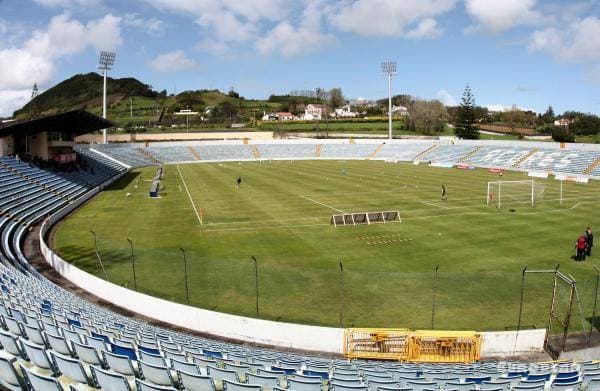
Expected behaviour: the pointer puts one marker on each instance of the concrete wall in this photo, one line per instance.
(6, 146)
(38, 145)
(512, 343)
(97, 138)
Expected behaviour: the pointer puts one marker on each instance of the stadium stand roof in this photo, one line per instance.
(76, 122)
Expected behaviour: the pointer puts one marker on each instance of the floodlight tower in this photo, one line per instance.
(107, 60)
(389, 68)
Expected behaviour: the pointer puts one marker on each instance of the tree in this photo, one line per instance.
(549, 116)
(466, 116)
(426, 116)
(336, 98)
(563, 135)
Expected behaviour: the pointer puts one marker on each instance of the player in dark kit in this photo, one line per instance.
(444, 196)
(239, 182)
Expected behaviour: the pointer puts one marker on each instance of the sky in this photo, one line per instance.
(528, 53)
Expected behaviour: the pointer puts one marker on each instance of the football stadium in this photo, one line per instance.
(168, 241)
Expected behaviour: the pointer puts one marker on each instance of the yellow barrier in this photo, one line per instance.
(381, 344)
(414, 346)
(445, 346)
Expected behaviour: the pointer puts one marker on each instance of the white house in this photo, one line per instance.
(399, 110)
(344, 112)
(269, 117)
(564, 122)
(314, 112)
(284, 116)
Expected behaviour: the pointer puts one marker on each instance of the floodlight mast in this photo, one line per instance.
(389, 68)
(107, 60)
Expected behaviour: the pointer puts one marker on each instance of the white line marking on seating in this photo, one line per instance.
(189, 196)
(320, 203)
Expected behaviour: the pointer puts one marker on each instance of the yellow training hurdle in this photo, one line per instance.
(412, 346)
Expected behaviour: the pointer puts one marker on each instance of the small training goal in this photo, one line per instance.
(365, 218)
(514, 193)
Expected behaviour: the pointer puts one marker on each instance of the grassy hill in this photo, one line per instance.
(85, 92)
(133, 103)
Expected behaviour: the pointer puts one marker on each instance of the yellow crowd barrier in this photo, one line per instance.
(382, 344)
(412, 346)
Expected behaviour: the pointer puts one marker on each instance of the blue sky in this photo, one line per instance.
(523, 52)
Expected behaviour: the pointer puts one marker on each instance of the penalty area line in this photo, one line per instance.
(270, 227)
(322, 204)
(437, 206)
(189, 196)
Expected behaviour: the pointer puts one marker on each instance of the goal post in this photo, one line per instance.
(365, 218)
(503, 193)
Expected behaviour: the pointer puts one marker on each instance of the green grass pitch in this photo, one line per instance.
(281, 216)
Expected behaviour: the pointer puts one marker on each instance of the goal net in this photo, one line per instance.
(514, 193)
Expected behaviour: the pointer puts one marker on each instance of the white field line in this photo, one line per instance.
(270, 221)
(189, 196)
(271, 227)
(320, 203)
(437, 206)
(485, 213)
(576, 205)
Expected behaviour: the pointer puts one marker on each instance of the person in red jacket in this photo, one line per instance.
(580, 245)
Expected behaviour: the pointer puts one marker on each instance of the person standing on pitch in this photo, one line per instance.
(580, 246)
(589, 241)
(444, 196)
(239, 182)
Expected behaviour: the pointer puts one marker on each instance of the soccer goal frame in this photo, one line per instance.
(495, 198)
(367, 218)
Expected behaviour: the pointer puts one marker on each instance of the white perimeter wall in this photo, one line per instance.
(287, 335)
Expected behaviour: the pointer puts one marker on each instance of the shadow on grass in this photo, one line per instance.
(124, 181)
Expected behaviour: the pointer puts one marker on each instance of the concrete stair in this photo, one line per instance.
(592, 166)
(521, 160)
(376, 151)
(468, 155)
(194, 153)
(425, 152)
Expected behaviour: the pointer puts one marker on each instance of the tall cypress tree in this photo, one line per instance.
(466, 116)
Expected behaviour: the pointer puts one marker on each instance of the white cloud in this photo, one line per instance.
(427, 28)
(105, 34)
(576, 42)
(295, 41)
(503, 108)
(219, 48)
(10, 100)
(390, 18)
(21, 68)
(152, 25)
(256, 10)
(446, 98)
(35, 60)
(68, 3)
(172, 62)
(225, 26)
(501, 15)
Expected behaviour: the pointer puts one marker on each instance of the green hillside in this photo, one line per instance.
(84, 92)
